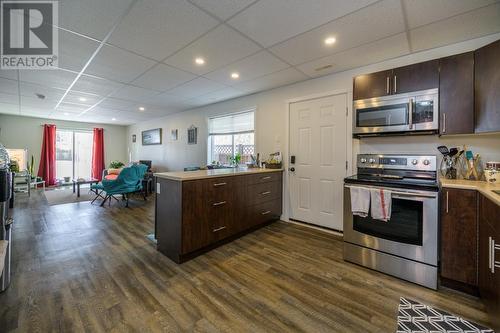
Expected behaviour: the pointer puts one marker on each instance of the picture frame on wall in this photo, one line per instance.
(134, 138)
(151, 137)
(174, 134)
(192, 135)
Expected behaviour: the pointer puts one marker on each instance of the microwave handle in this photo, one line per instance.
(410, 114)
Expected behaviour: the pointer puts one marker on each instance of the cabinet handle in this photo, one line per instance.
(447, 200)
(387, 85)
(491, 255)
(395, 83)
(410, 113)
(494, 263)
(219, 184)
(219, 203)
(266, 193)
(444, 122)
(219, 229)
(266, 212)
(265, 178)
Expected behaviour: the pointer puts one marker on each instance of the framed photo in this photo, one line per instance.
(192, 135)
(134, 138)
(174, 134)
(151, 137)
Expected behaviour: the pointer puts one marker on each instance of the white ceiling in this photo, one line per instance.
(118, 55)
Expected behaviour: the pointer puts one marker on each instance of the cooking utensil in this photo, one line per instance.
(453, 151)
(443, 150)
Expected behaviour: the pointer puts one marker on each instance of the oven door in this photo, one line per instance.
(412, 231)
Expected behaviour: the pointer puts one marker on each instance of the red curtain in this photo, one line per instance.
(98, 153)
(47, 167)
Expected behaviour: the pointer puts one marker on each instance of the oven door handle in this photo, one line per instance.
(405, 194)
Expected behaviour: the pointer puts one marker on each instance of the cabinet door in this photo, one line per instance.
(196, 227)
(459, 236)
(372, 85)
(456, 94)
(487, 88)
(421, 76)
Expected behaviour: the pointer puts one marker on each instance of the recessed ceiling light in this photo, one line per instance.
(113, 119)
(82, 99)
(199, 61)
(142, 108)
(65, 113)
(235, 75)
(330, 40)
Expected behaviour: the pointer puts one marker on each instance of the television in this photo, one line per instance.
(146, 162)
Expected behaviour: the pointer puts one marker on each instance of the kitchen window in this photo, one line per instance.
(230, 135)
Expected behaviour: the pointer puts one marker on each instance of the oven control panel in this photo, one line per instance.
(404, 162)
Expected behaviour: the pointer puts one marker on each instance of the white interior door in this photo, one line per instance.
(319, 143)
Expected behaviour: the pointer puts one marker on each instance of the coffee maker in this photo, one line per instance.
(5, 220)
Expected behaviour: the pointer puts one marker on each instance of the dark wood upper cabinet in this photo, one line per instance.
(421, 76)
(456, 94)
(487, 88)
(372, 85)
(459, 239)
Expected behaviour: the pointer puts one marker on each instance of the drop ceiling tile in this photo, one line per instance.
(93, 18)
(195, 88)
(55, 78)
(9, 98)
(119, 104)
(97, 86)
(219, 95)
(248, 68)
(34, 102)
(384, 49)
(8, 74)
(477, 23)
(162, 77)
(71, 108)
(421, 12)
(157, 28)
(8, 86)
(6, 108)
(223, 9)
(219, 48)
(77, 97)
(281, 78)
(118, 65)
(371, 23)
(133, 93)
(166, 99)
(31, 90)
(270, 22)
(75, 50)
(35, 112)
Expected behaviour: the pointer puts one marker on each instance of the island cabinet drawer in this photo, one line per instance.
(218, 188)
(262, 213)
(259, 193)
(263, 178)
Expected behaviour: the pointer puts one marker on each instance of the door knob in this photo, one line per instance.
(292, 169)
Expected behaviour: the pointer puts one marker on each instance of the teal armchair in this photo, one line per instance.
(128, 181)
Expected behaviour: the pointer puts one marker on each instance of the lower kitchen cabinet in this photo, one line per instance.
(193, 216)
(489, 258)
(459, 239)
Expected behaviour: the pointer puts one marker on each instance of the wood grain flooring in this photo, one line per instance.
(82, 268)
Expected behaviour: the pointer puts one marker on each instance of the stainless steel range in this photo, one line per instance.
(406, 245)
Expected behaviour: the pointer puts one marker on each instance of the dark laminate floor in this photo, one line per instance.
(79, 267)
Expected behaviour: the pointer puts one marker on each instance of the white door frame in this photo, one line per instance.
(286, 157)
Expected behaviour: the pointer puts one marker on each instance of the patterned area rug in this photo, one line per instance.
(415, 317)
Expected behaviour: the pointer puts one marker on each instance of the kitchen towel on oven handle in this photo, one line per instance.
(381, 202)
(360, 201)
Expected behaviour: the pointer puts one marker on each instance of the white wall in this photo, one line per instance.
(27, 132)
(271, 115)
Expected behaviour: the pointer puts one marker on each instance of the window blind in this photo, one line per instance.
(231, 124)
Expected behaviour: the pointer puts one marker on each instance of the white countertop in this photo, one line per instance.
(484, 188)
(203, 174)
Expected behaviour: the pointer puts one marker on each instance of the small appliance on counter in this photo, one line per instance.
(5, 220)
(405, 244)
(492, 172)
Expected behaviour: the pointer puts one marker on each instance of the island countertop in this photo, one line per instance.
(203, 174)
(482, 187)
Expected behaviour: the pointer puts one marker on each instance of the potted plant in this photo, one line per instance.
(116, 165)
(236, 159)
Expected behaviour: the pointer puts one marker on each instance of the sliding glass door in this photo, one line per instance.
(73, 154)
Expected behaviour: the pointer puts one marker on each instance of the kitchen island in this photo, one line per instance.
(195, 211)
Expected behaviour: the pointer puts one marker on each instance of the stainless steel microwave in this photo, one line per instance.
(409, 113)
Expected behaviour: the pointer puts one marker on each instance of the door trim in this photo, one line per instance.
(349, 141)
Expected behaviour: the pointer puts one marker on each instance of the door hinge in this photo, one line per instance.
(346, 111)
(346, 165)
